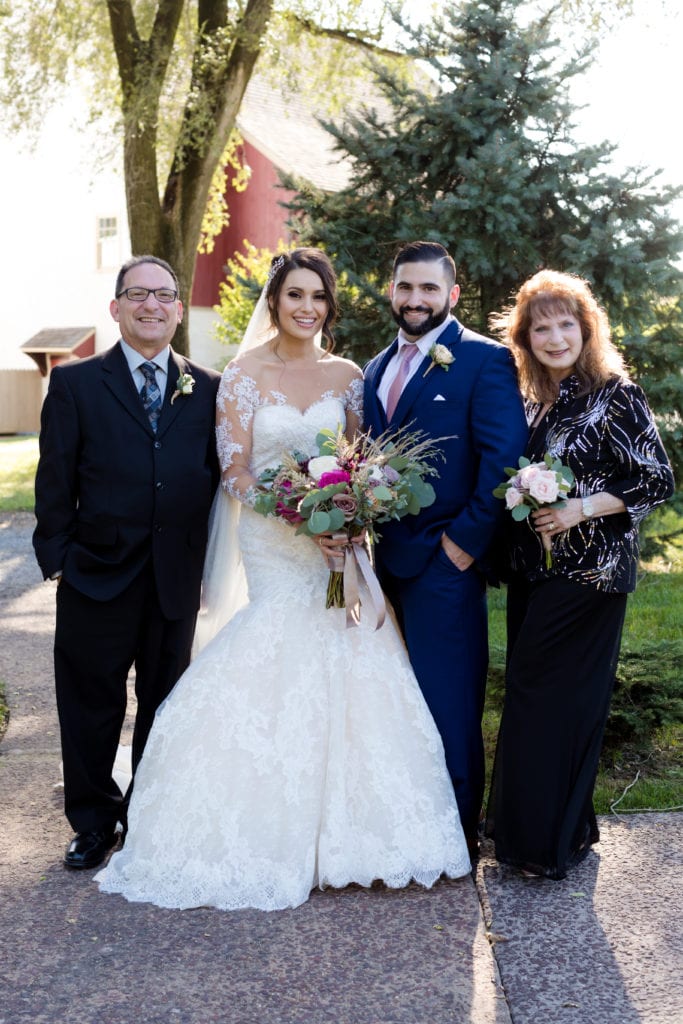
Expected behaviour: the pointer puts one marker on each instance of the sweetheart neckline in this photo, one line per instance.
(302, 412)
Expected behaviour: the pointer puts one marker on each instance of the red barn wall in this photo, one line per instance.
(86, 347)
(255, 215)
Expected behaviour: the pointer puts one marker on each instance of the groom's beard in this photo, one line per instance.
(412, 330)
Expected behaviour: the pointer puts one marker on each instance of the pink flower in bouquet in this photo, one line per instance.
(544, 487)
(291, 515)
(526, 476)
(345, 493)
(347, 503)
(513, 497)
(533, 486)
(336, 476)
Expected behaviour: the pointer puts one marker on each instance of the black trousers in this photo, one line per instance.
(563, 647)
(96, 644)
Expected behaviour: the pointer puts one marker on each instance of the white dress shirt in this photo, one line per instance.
(424, 344)
(135, 360)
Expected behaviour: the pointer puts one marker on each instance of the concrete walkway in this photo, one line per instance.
(602, 947)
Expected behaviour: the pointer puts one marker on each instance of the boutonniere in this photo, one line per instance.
(440, 356)
(183, 386)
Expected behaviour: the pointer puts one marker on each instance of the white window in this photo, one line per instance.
(108, 243)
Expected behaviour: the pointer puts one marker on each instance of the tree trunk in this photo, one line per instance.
(171, 228)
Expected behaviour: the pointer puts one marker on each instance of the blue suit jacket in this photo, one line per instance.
(476, 404)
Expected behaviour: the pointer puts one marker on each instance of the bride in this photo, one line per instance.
(293, 752)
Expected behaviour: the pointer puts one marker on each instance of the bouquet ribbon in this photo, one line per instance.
(355, 558)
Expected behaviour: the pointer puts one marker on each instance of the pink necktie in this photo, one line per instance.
(408, 353)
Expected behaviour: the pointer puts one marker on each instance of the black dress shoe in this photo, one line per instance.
(88, 849)
(473, 848)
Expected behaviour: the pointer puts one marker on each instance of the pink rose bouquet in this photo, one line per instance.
(350, 487)
(536, 484)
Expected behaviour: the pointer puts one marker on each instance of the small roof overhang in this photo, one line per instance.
(55, 344)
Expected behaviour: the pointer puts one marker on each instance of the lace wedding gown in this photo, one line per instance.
(293, 752)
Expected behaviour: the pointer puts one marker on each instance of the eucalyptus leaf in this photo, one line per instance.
(382, 493)
(326, 441)
(428, 495)
(520, 512)
(319, 522)
(337, 518)
(413, 505)
(310, 501)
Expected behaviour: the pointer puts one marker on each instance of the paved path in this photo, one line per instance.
(602, 947)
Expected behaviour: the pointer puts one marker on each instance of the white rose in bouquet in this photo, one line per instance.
(322, 464)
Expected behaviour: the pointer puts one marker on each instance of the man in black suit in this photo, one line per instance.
(124, 485)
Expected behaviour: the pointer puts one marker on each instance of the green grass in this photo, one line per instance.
(640, 779)
(18, 459)
(4, 710)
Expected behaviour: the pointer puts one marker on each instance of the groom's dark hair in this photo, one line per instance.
(425, 252)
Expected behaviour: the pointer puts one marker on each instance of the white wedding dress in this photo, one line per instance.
(293, 752)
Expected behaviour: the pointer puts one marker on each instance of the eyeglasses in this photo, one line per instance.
(140, 294)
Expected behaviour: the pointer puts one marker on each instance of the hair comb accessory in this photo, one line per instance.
(278, 262)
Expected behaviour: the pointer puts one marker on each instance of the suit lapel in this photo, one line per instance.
(119, 380)
(172, 408)
(450, 338)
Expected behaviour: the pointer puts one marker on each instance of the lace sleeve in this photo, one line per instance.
(238, 398)
(353, 405)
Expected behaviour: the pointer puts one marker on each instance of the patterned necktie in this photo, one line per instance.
(150, 394)
(408, 353)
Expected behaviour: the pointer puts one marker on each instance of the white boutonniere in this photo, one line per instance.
(184, 386)
(440, 356)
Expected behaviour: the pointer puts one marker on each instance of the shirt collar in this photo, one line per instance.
(135, 359)
(427, 340)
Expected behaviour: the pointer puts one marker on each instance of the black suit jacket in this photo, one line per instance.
(110, 493)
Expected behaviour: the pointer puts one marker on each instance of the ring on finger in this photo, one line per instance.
(551, 524)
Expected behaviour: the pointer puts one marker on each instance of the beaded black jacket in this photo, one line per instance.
(609, 440)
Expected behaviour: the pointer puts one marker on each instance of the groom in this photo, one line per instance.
(441, 378)
(125, 480)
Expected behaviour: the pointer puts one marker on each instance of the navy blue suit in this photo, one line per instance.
(476, 404)
(122, 512)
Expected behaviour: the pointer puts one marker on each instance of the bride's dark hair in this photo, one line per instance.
(305, 259)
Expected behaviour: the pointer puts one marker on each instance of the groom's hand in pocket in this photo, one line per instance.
(460, 559)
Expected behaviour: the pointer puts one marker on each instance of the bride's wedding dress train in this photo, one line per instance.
(293, 752)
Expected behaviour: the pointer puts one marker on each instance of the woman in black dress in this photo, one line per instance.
(564, 622)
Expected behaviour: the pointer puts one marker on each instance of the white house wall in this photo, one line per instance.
(50, 201)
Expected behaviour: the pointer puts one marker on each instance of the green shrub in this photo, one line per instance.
(648, 693)
(246, 274)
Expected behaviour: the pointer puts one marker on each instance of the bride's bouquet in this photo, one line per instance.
(534, 485)
(350, 487)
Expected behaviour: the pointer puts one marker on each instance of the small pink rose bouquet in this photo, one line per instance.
(533, 485)
(348, 488)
